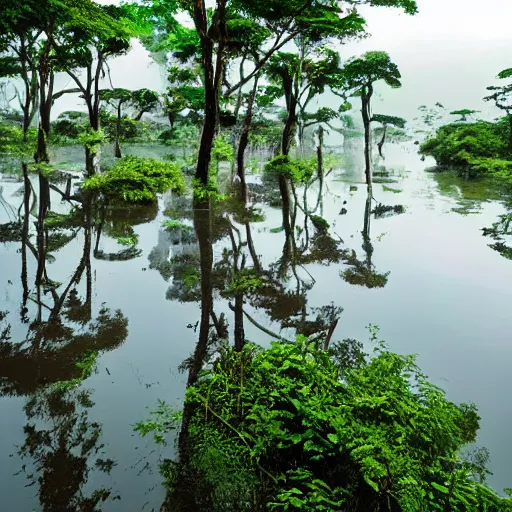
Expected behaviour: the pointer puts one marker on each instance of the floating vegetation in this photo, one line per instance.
(382, 210)
(390, 189)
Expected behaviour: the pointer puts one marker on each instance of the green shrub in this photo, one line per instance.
(137, 180)
(68, 128)
(293, 427)
(464, 145)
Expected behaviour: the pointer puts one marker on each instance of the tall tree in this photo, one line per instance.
(87, 39)
(19, 55)
(359, 77)
(144, 101)
(117, 98)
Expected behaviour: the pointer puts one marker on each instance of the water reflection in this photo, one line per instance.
(58, 352)
(210, 256)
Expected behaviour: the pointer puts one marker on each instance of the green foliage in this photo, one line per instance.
(136, 179)
(245, 281)
(86, 366)
(92, 139)
(390, 189)
(463, 113)
(371, 67)
(312, 430)
(222, 150)
(131, 241)
(383, 119)
(297, 170)
(11, 140)
(477, 148)
(162, 421)
(57, 221)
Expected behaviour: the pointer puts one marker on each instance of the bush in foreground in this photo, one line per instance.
(293, 427)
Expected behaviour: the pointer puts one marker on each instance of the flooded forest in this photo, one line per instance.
(247, 263)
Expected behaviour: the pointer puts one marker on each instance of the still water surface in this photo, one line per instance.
(447, 299)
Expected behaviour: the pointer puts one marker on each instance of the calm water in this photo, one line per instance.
(67, 443)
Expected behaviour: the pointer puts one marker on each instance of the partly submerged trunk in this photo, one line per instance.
(93, 150)
(320, 154)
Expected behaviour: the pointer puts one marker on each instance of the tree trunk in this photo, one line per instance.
(24, 238)
(45, 102)
(210, 116)
(382, 141)
(290, 127)
(44, 207)
(93, 153)
(138, 117)
(202, 225)
(320, 154)
(243, 141)
(510, 134)
(212, 76)
(366, 105)
(117, 148)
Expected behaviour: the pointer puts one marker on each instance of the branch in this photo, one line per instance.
(57, 95)
(260, 327)
(277, 46)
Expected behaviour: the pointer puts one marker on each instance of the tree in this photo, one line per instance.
(19, 58)
(117, 98)
(144, 101)
(502, 97)
(87, 39)
(386, 121)
(464, 113)
(359, 76)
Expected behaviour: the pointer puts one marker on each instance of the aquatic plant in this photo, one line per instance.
(136, 179)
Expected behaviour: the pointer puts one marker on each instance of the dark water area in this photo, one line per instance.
(102, 306)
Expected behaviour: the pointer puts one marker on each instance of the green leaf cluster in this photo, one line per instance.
(297, 170)
(136, 179)
(310, 431)
(477, 148)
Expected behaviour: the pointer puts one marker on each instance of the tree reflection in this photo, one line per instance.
(362, 272)
(59, 352)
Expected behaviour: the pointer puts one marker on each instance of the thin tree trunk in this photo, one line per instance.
(365, 100)
(24, 237)
(320, 154)
(510, 134)
(243, 141)
(290, 127)
(382, 141)
(117, 149)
